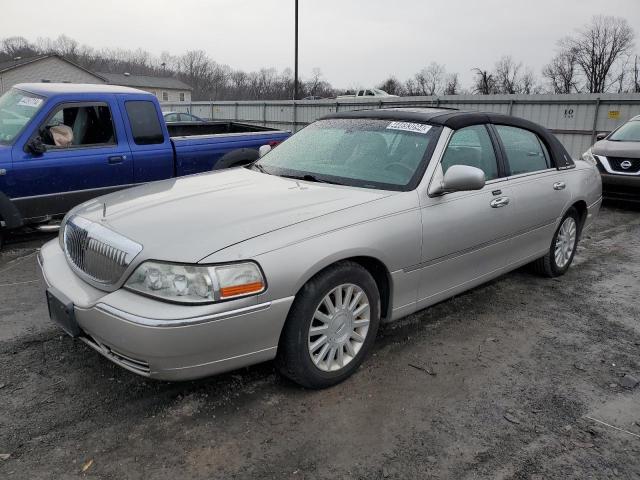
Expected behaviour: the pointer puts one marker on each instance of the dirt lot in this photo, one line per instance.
(520, 378)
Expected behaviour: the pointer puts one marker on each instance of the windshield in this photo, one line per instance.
(17, 108)
(357, 152)
(629, 132)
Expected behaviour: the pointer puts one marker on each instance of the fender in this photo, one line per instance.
(9, 213)
(236, 158)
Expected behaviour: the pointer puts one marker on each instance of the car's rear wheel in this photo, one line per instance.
(331, 326)
(563, 247)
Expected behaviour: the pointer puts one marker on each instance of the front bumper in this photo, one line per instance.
(621, 187)
(168, 341)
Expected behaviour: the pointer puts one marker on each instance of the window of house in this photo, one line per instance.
(145, 125)
(524, 150)
(471, 146)
(79, 125)
(165, 96)
(182, 96)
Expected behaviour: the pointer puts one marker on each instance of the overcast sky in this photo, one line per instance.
(353, 42)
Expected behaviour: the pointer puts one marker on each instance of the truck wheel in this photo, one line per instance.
(331, 327)
(236, 158)
(563, 247)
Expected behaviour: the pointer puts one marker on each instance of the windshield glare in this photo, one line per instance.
(629, 132)
(17, 108)
(358, 152)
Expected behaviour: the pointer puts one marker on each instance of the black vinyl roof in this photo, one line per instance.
(456, 119)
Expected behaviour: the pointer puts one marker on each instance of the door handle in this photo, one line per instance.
(559, 186)
(117, 159)
(499, 202)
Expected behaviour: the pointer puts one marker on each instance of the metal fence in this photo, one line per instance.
(575, 118)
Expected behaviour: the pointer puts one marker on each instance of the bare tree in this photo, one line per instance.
(507, 75)
(429, 80)
(562, 72)
(598, 47)
(635, 85)
(452, 84)
(392, 86)
(484, 83)
(13, 47)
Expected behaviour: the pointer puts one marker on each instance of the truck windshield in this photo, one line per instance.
(17, 108)
(366, 153)
(629, 132)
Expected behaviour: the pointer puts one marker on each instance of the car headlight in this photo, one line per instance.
(589, 157)
(195, 283)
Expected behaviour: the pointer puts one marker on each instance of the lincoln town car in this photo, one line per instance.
(360, 218)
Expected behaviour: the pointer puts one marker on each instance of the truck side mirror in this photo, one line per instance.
(36, 146)
(263, 150)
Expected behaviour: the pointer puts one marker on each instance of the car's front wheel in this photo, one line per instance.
(563, 247)
(331, 326)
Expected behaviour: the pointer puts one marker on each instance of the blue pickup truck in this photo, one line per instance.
(62, 144)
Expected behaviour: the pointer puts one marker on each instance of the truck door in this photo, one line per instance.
(87, 155)
(153, 154)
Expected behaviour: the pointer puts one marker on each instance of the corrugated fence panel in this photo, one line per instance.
(574, 118)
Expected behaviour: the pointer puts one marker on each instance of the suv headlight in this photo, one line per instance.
(589, 157)
(195, 283)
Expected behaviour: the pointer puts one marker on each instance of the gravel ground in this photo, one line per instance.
(523, 377)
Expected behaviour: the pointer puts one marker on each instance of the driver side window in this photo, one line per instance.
(77, 126)
(471, 146)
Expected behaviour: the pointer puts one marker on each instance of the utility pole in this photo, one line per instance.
(295, 80)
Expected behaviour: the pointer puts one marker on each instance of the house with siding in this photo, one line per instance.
(166, 89)
(44, 68)
(57, 69)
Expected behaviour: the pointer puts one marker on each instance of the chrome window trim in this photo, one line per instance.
(607, 166)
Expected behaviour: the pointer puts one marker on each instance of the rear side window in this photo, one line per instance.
(144, 121)
(471, 146)
(524, 150)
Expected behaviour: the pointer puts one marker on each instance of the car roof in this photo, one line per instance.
(456, 119)
(46, 89)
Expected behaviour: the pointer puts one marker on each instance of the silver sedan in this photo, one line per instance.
(360, 218)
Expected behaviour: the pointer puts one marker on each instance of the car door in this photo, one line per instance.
(539, 191)
(465, 233)
(87, 154)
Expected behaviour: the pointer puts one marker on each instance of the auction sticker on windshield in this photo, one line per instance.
(409, 127)
(30, 102)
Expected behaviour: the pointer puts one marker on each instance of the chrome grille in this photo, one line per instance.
(97, 254)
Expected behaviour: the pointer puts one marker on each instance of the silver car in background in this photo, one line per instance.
(360, 218)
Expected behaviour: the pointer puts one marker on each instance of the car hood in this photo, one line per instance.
(617, 149)
(189, 218)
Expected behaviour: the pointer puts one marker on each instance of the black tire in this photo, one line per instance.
(237, 158)
(547, 266)
(293, 359)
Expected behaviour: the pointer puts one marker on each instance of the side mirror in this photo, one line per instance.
(36, 146)
(461, 178)
(263, 150)
(601, 136)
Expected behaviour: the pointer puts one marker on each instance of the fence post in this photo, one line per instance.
(211, 111)
(294, 121)
(264, 114)
(511, 102)
(337, 106)
(235, 112)
(595, 121)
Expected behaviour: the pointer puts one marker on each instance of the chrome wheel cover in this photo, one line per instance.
(339, 327)
(565, 242)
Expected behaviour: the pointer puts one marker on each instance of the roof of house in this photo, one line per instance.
(11, 64)
(145, 81)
